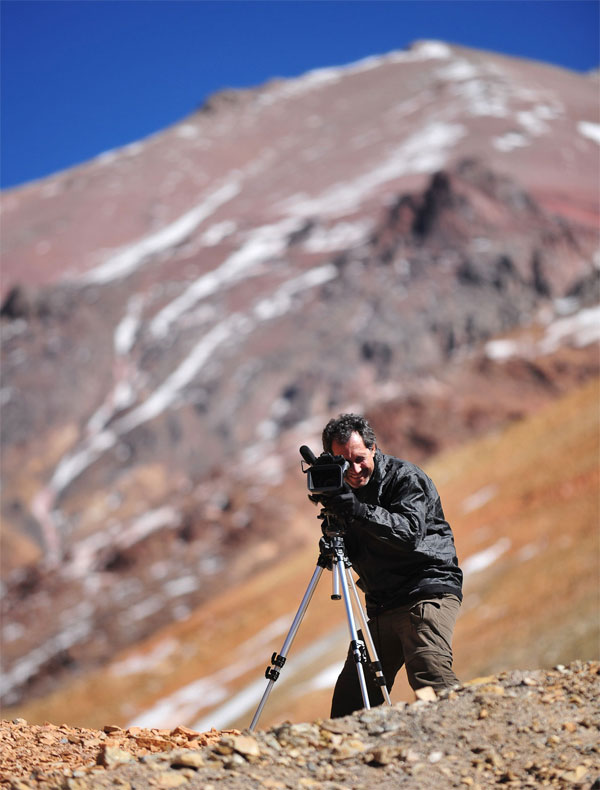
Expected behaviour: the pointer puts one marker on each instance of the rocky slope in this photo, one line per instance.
(517, 729)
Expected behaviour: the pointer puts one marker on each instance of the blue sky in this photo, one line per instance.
(79, 77)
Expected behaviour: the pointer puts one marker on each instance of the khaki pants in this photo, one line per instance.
(418, 635)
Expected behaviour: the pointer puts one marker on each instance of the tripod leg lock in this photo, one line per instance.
(277, 662)
(377, 673)
(359, 651)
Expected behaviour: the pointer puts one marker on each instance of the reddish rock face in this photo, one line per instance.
(180, 315)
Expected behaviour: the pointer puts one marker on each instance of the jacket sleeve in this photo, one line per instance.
(402, 518)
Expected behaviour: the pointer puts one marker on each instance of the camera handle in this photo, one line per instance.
(332, 556)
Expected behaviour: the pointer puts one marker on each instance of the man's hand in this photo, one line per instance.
(345, 505)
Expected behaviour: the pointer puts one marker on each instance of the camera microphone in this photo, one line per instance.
(308, 455)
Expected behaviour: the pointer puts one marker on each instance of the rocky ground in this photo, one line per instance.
(518, 729)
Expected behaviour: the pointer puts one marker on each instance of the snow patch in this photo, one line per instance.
(500, 350)
(423, 50)
(127, 260)
(52, 188)
(166, 393)
(29, 664)
(578, 330)
(217, 232)
(261, 244)
(509, 141)
(423, 152)
(250, 696)
(183, 586)
(325, 679)
(529, 551)
(337, 237)
(126, 331)
(204, 692)
(317, 78)
(312, 79)
(144, 662)
(187, 131)
(84, 552)
(143, 609)
(533, 122)
(589, 130)
(13, 631)
(71, 466)
(479, 498)
(106, 158)
(581, 329)
(483, 97)
(279, 303)
(458, 70)
(483, 559)
(145, 525)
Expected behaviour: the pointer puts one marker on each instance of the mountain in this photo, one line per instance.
(413, 236)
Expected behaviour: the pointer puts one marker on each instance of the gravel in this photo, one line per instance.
(519, 729)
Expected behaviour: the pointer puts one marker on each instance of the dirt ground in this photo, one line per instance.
(517, 729)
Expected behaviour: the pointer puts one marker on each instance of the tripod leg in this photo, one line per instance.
(278, 659)
(335, 581)
(375, 663)
(356, 644)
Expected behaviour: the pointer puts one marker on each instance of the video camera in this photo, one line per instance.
(325, 474)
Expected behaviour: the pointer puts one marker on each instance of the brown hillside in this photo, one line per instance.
(527, 495)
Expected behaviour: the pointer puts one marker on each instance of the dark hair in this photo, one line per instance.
(339, 429)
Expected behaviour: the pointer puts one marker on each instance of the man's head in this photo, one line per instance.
(351, 436)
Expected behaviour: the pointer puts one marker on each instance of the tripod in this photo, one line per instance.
(332, 556)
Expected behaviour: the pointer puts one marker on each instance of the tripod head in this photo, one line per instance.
(331, 525)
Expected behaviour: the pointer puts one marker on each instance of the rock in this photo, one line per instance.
(492, 688)
(112, 755)
(427, 693)
(246, 745)
(338, 725)
(76, 784)
(479, 681)
(575, 776)
(169, 779)
(187, 759)
(180, 730)
(348, 748)
(384, 755)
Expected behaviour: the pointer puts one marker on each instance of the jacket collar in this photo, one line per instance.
(378, 471)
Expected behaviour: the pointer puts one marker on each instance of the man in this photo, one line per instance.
(402, 548)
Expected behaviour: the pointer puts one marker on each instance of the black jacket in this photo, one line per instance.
(403, 548)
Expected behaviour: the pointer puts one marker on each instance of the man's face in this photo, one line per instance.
(360, 458)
